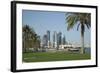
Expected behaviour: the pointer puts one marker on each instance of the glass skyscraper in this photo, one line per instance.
(54, 39)
(59, 39)
(63, 40)
(45, 40)
(48, 35)
(48, 38)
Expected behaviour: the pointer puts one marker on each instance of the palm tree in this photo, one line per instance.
(79, 19)
(25, 30)
(28, 37)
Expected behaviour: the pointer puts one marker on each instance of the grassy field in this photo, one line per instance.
(50, 56)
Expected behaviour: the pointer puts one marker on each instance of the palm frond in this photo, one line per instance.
(78, 26)
(71, 20)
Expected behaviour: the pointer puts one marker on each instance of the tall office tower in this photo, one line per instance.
(48, 35)
(63, 40)
(44, 41)
(59, 39)
(54, 39)
(48, 38)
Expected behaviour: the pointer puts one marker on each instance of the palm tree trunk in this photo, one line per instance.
(82, 42)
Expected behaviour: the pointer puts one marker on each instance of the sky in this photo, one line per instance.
(41, 21)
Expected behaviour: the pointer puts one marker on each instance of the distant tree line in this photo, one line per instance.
(30, 39)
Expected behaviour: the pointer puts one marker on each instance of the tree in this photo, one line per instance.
(29, 37)
(79, 19)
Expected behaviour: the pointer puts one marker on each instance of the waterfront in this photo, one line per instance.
(46, 36)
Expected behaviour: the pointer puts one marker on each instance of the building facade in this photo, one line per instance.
(59, 39)
(54, 39)
(48, 39)
(44, 41)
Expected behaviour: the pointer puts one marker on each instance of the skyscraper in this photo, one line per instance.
(54, 39)
(45, 40)
(59, 39)
(63, 40)
(48, 38)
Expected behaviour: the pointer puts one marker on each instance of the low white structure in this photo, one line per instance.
(70, 47)
(65, 46)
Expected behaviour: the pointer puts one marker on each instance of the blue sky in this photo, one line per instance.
(41, 21)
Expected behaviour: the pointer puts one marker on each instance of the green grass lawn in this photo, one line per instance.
(50, 56)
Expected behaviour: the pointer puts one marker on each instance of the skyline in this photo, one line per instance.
(41, 21)
(57, 39)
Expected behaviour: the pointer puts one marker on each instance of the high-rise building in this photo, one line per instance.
(63, 40)
(54, 39)
(59, 39)
(45, 40)
(48, 35)
(48, 38)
